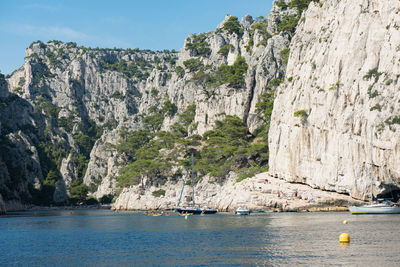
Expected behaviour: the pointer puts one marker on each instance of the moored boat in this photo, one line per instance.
(193, 208)
(242, 211)
(379, 208)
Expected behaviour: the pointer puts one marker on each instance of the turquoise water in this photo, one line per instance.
(106, 238)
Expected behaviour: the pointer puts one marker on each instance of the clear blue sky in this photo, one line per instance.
(146, 24)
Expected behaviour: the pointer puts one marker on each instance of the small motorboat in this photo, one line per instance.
(242, 211)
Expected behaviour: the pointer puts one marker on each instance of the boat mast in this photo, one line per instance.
(184, 181)
(372, 165)
(191, 175)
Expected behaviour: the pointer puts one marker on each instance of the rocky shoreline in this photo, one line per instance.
(259, 193)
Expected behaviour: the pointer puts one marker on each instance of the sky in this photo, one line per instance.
(144, 24)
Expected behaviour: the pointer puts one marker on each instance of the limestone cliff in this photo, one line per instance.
(330, 70)
(335, 123)
(70, 103)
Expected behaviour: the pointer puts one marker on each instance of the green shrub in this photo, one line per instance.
(334, 86)
(393, 120)
(52, 57)
(18, 90)
(180, 129)
(148, 162)
(227, 138)
(301, 5)
(84, 142)
(169, 108)
(281, 4)
(153, 122)
(203, 78)
(129, 70)
(376, 107)
(179, 71)
(224, 50)
(232, 75)
(193, 64)
(261, 27)
(117, 94)
(250, 45)
(158, 193)
(198, 45)
(154, 92)
(285, 55)
(288, 23)
(78, 190)
(373, 73)
(300, 113)
(130, 141)
(274, 82)
(232, 25)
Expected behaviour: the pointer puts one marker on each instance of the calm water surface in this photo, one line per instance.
(105, 238)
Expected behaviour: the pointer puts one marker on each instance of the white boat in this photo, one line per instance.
(380, 208)
(242, 211)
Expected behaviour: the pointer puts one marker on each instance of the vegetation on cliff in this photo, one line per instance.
(289, 22)
(149, 155)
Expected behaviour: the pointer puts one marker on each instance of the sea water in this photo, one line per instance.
(107, 238)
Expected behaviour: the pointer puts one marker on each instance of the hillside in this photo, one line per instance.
(307, 93)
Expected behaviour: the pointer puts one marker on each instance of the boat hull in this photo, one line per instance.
(371, 209)
(242, 211)
(196, 211)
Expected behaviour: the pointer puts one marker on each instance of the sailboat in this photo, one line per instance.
(386, 207)
(193, 208)
(377, 207)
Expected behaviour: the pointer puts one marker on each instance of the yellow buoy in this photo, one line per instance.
(186, 217)
(344, 238)
(345, 222)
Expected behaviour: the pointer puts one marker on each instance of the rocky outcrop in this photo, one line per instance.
(261, 192)
(335, 121)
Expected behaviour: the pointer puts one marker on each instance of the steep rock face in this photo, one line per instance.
(335, 123)
(78, 99)
(81, 96)
(19, 158)
(212, 103)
